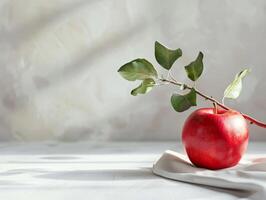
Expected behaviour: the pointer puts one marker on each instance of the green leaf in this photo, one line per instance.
(183, 102)
(138, 69)
(234, 89)
(166, 57)
(144, 87)
(195, 68)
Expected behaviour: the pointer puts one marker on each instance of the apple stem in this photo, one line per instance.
(215, 107)
(247, 117)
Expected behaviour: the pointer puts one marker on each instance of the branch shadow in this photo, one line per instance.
(24, 32)
(80, 62)
(85, 60)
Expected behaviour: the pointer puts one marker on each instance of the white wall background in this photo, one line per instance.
(58, 63)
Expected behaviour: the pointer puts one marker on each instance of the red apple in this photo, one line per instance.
(215, 140)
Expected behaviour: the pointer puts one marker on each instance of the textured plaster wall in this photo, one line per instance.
(58, 63)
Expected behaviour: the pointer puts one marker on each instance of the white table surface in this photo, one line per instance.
(96, 171)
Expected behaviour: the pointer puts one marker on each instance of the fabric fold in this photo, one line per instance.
(249, 175)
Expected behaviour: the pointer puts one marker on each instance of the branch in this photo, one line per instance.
(247, 117)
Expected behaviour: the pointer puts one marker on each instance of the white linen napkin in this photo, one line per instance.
(249, 175)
